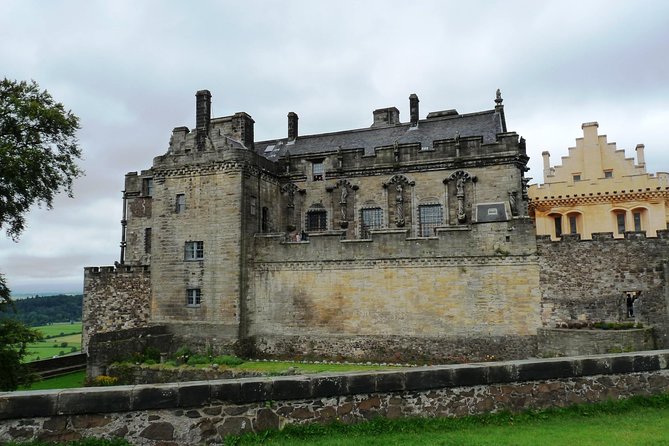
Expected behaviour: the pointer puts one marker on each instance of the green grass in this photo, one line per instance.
(58, 334)
(70, 381)
(637, 421)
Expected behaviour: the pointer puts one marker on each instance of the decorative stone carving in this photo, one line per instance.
(400, 182)
(460, 177)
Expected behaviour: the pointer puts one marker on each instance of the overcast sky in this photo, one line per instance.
(130, 70)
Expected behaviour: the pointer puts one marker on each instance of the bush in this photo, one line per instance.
(103, 381)
(151, 353)
(228, 360)
(198, 359)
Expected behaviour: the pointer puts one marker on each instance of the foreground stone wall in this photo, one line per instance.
(586, 280)
(570, 342)
(200, 412)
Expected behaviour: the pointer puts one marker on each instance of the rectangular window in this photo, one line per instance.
(620, 220)
(573, 228)
(608, 174)
(429, 217)
(194, 250)
(371, 219)
(637, 221)
(264, 220)
(317, 221)
(253, 205)
(147, 187)
(558, 226)
(577, 177)
(193, 297)
(180, 203)
(317, 171)
(147, 240)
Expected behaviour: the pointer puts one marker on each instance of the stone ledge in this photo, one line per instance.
(26, 404)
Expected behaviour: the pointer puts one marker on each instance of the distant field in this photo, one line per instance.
(63, 337)
(69, 381)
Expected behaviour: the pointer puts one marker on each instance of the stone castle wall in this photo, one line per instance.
(191, 413)
(585, 280)
(465, 294)
(115, 299)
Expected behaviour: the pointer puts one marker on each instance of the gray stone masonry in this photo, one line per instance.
(204, 412)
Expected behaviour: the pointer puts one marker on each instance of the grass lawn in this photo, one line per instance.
(640, 421)
(58, 335)
(69, 381)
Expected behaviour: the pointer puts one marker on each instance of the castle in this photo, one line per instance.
(398, 241)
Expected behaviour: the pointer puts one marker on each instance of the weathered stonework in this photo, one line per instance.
(204, 412)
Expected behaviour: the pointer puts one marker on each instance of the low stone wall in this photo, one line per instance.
(569, 342)
(199, 412)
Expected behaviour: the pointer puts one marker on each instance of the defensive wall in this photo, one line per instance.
(470, 293)
(204, 412)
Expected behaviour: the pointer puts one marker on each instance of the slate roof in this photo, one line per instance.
(485, 124)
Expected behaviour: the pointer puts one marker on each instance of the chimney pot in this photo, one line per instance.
(413, 109)
(292, 126)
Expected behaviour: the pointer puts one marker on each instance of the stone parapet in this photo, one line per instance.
(192, 413)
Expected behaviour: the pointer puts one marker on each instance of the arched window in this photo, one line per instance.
(620, 215)
(575, 223)
(639, 219)
(557, 225)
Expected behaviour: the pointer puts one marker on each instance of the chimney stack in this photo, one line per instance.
(385, 116)
(413, 109)
(202, 117)
(547, 165)
(640, 157)
(292, 126)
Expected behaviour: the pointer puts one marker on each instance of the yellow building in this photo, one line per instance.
(598, 189)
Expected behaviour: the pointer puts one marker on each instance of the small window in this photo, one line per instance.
(264, 221)
(429, 217)
(620, 222)
(147, 187)
(193, 297)
(180, 203)
(577, 177)
(371, 219)
(147, 240)
(573, 224)
(317, 220)
(557, 220)
(194, 250)
(608, 174)
(317, 171)
(637, 221)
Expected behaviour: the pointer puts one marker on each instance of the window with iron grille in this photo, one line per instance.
(317, 220)
(429, 217)
(371, 219)
(193, 297)
(194, 251)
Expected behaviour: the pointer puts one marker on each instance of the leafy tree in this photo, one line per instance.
(14, 339)
(38, 154)
(38, 151)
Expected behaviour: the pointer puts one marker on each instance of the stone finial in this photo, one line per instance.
(413, 109)
(498, 97)
(292, 126)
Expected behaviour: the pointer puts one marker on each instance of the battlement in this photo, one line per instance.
(662, 235)
(499, 239)
(117, 269)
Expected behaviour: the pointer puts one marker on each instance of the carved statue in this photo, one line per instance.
(513, 202)
(460, 195)
(342, 202)
(399, 205)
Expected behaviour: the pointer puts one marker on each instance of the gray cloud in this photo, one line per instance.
(130, 70)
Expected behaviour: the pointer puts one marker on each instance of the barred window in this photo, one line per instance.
(371, 219)
(193, 297)
(194, 251)
(317, 220)
(429, 217)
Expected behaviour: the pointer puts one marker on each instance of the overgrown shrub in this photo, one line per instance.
(228, 360)
(103, 381)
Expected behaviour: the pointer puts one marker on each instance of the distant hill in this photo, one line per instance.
(43, 310)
